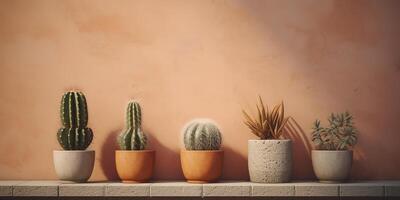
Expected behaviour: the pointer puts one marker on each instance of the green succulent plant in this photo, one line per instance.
(202, 134)
(132, 137)
(339, 135)
(74, 135)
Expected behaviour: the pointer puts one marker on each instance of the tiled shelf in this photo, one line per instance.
(183, 189)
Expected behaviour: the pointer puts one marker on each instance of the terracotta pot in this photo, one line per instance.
(74, 165)
(135, 166)
(202, 166)
(270, 161)
(332, 166)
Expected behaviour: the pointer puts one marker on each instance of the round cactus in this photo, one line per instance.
(202, 134)
(133, 138)
(74, 135)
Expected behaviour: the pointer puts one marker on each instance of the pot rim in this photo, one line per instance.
(135, 151)
(73, 151)
(251, 140)
(331, 151)
(202, 151)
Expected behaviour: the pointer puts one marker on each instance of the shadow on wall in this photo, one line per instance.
(301, 150)
(108, 155)
(164, 157)
(239, 167)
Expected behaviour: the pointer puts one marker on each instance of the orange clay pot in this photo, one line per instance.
(134, 166)
(202, 166)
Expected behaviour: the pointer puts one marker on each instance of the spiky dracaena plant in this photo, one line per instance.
(202, 134)
(74, 135)
(133, 138)
(268, 124)
(340, 135)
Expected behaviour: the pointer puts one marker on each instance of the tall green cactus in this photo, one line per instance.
(202, 134)
(74, 135)
(133, 138)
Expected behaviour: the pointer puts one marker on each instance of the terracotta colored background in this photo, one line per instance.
(183, 59)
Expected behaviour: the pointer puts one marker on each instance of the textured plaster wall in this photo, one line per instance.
(183, 59)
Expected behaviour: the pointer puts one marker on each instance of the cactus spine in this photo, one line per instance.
(74, 135)
(133, 138)
(202, 134)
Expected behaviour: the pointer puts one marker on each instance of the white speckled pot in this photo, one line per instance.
(332, 166)
(270, 161)
(74, 165)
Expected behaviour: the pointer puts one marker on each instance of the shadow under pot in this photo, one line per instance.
(74, 165)
(332, 166)
(270, 161)
(135, 166)
(202, 166)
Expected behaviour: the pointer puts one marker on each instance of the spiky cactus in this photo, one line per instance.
(133, 138)
(202, 134)
(74, 135)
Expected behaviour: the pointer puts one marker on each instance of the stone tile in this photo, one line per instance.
(130, 198)
(36, 188)
(316, 189)
(82, 189)
(34, 198)
(128, 189)
(6, 188)
(230, 189)
(362, 189)
(392, 188)
(175, 189)
(272, 189)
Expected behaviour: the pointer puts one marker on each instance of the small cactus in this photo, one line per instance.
(133, 138)
(74, 135)
(202, 134)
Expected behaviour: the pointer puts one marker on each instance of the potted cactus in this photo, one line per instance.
(269, 157)
(332, 159)
(133, 162)
(74, 163)
(202, 158)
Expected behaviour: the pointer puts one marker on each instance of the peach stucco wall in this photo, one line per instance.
(198, 58)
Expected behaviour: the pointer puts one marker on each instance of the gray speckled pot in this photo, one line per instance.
(74, 165)
(270, 161)
(332, 166)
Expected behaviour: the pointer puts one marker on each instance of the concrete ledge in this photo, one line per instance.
(314, 189)
(392, 189)
(127, 190)
(82, 189)
(175, 189)
(36, 188)
(362, 189)
(273, 190)
(6, 188)
(367, 189)
(230, 189)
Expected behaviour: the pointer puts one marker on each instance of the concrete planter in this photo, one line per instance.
(74, 165)
(135, 166)
(202, 166)
(270, 161)
(332, 166)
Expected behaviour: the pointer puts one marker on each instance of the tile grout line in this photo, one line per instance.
(384, 191)
(150, 186)
(251, 190)
(294, 189)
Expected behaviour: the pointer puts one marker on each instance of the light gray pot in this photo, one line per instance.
(270, 161)
(74, 165)
(332, 166)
